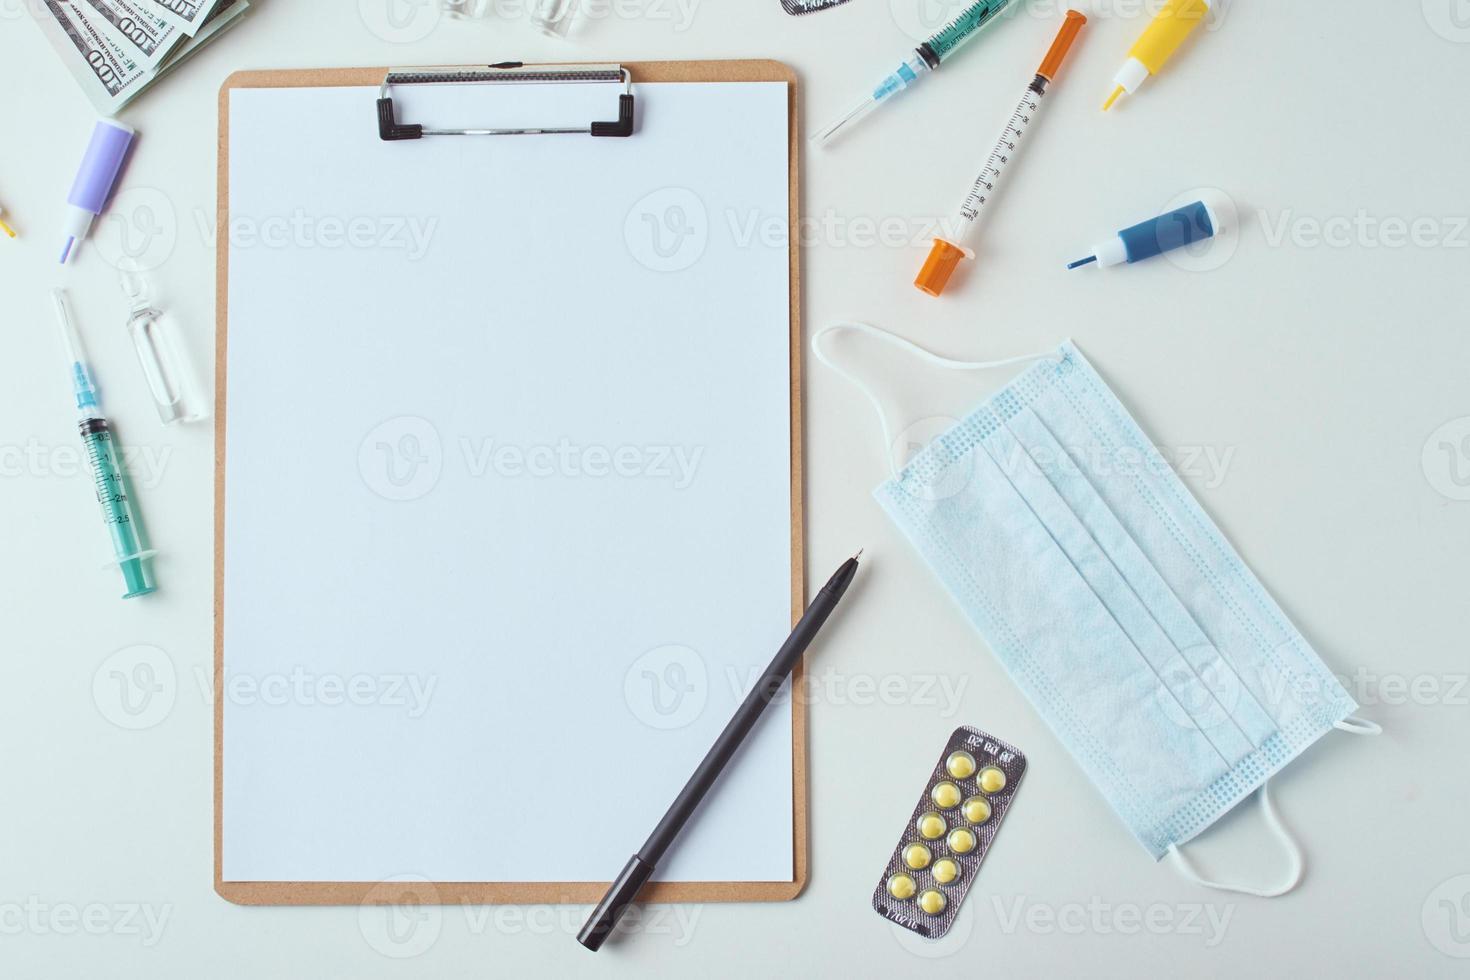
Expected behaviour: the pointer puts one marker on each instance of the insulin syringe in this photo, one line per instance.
(925, 58)
(102, 453)
(945, 253)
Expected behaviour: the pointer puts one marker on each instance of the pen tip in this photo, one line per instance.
(1081, 262)
(1112, 98)
(859, 554)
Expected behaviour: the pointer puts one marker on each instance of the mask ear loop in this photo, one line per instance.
(923, 354)
(1183, 865)
(1353, 724)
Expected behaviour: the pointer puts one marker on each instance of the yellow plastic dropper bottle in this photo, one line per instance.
(1175, 22)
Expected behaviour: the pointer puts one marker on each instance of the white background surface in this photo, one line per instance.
(1323, 374)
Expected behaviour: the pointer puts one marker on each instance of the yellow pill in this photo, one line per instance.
(946, 870)
(931, 826)
(961, 841)
(902, 886)
(991, 779)
(932, 901)
(945, 795)
(917, 856)
(976, 809)
(960, 764)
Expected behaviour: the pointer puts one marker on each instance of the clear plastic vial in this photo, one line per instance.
(167, 375)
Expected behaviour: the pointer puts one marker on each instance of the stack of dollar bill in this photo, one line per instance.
(116, 49)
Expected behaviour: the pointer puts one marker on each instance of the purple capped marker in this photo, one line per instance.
(95, 177)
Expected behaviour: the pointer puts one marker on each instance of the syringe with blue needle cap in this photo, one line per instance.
(925, 58)
(107, 473)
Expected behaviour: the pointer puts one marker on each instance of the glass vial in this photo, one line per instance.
(465, 9)
(554, 17)
(167, 375)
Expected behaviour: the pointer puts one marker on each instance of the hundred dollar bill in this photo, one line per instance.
(99, 64)
(142, 33)
(226, 15)
(187, 15)
(109, 75)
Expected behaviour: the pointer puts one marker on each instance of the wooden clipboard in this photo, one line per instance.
(457, 892)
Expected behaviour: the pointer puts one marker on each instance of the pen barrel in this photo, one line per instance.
(640, 866)
(746, 715)
(625, 888)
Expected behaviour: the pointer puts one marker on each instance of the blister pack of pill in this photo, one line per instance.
(951, 830)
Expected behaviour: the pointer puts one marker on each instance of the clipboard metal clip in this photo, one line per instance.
(504, 72)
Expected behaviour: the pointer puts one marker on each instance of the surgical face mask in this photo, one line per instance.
(1114, 602)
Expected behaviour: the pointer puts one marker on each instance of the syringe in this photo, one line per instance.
(926, 57)
(946, 254)
(102, 454)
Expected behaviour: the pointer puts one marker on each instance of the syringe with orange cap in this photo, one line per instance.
(947, 252)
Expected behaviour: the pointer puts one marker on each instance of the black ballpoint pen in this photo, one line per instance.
(640, 866)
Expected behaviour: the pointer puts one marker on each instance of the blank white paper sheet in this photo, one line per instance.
(507, 529)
